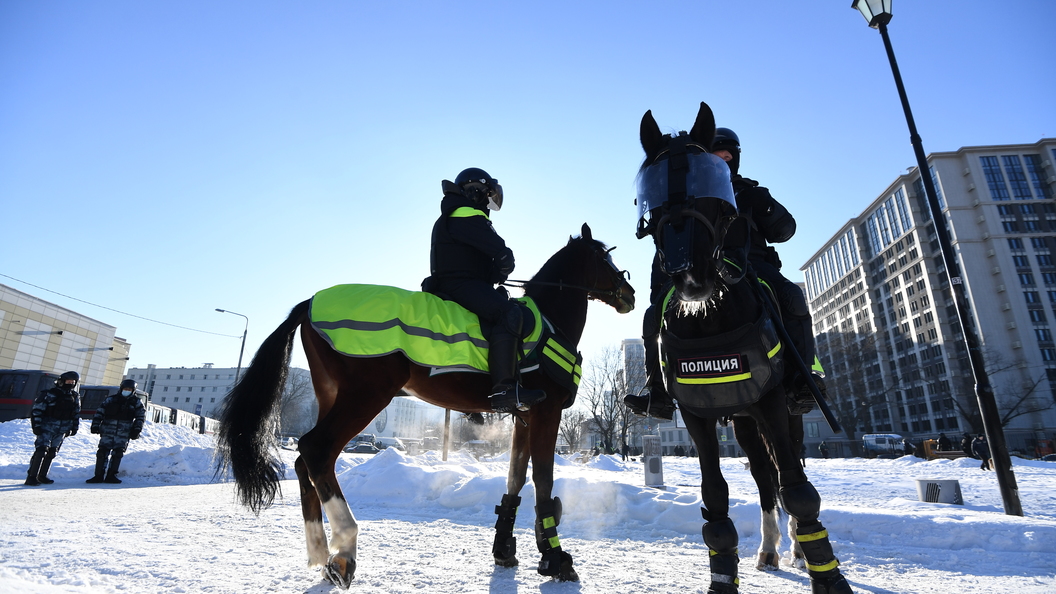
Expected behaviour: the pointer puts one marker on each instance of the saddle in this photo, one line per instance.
(376, 320)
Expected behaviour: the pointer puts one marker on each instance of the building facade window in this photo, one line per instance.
(994, 179)
(1037, 176)
(1016, 178)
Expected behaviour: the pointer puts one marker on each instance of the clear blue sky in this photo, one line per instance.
(169, 158)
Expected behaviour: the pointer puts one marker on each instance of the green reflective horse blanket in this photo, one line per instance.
(375, 320)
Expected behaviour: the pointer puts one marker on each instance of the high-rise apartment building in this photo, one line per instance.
(888, 331)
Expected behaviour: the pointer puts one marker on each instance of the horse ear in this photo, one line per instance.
(586, 233)
(704, 128)
(652, 139)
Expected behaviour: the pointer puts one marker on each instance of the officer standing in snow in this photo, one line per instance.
(53, 418)
(467, 259)
(118, 419)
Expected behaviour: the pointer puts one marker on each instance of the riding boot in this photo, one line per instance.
(115, 465)
(507, 395)
(45, 465)
(100, 466)
(654, 401)
(504, 549)
(34, 466)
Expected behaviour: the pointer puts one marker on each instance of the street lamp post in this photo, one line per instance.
(878, 14)
(238, 372)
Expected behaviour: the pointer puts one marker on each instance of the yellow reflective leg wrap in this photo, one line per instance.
(550, 532)
(816, 547)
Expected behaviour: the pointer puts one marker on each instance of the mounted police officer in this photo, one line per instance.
(53, 418)
(117, 420)
(769, 222)
(466, 261)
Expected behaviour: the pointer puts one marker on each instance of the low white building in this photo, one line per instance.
(37, 334)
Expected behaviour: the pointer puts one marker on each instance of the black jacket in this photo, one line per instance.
(770, 221)
(464, 243)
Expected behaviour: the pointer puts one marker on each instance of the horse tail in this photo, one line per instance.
(250, 415)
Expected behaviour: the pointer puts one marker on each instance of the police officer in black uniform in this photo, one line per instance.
(770, 222)
(53, 418)
(117, 420)
(467, 260)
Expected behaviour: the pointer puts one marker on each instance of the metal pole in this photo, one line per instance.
(984, 393)
(238, 371)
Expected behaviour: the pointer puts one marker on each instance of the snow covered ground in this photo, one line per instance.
(426, 525)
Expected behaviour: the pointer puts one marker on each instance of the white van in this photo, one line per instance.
(882, 444)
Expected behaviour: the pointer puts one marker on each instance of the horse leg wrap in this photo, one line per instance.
(721, 538)
(822, 565)
(547, 518)
(504, 549)
(802, 502)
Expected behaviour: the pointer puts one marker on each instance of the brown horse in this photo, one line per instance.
(351, 391)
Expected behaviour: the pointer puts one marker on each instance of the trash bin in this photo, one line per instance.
(654, 463)
(939, 491)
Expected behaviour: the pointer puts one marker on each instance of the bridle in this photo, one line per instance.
(592, 292)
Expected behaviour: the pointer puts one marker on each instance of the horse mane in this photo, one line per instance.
(552, 270)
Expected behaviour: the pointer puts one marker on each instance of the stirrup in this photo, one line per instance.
(508, 399)
(660, 406)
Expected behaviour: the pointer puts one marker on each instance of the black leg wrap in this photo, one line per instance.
(547, 518)
(504, 549)
(825, 577)
(721, 538)
(802, 502)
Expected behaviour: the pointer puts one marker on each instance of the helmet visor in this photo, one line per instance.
(708, 177)
(494, 196)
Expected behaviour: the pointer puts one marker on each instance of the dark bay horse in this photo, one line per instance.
(722, 354)
(351, 391)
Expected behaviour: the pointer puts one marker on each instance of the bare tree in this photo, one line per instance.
(1014, 398)
(298, 408)
(854, 383)
(602, 389)
(572, 427)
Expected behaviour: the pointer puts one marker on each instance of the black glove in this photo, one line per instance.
(503, 266)
(134, 435)
(757, 199)
(36, 427)
(94, 429)
(73, 430)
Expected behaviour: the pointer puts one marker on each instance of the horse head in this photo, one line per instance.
(607, 282)
(686, 202)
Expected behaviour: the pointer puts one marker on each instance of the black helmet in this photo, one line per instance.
(480, 187)
(76, 377)
(726, 139)
(129, 384)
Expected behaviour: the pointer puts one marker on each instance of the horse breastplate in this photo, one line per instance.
(720, 375)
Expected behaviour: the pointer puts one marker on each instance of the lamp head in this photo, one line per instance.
(876, 12)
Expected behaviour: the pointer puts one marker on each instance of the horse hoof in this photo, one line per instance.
(506, 562)
(340, 571)
(558, 566)
(768, 562)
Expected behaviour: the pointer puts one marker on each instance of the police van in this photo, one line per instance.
(18, 389)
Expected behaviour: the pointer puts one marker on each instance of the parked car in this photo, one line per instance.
(390, 442)
(1049, 457)
(361, 448)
